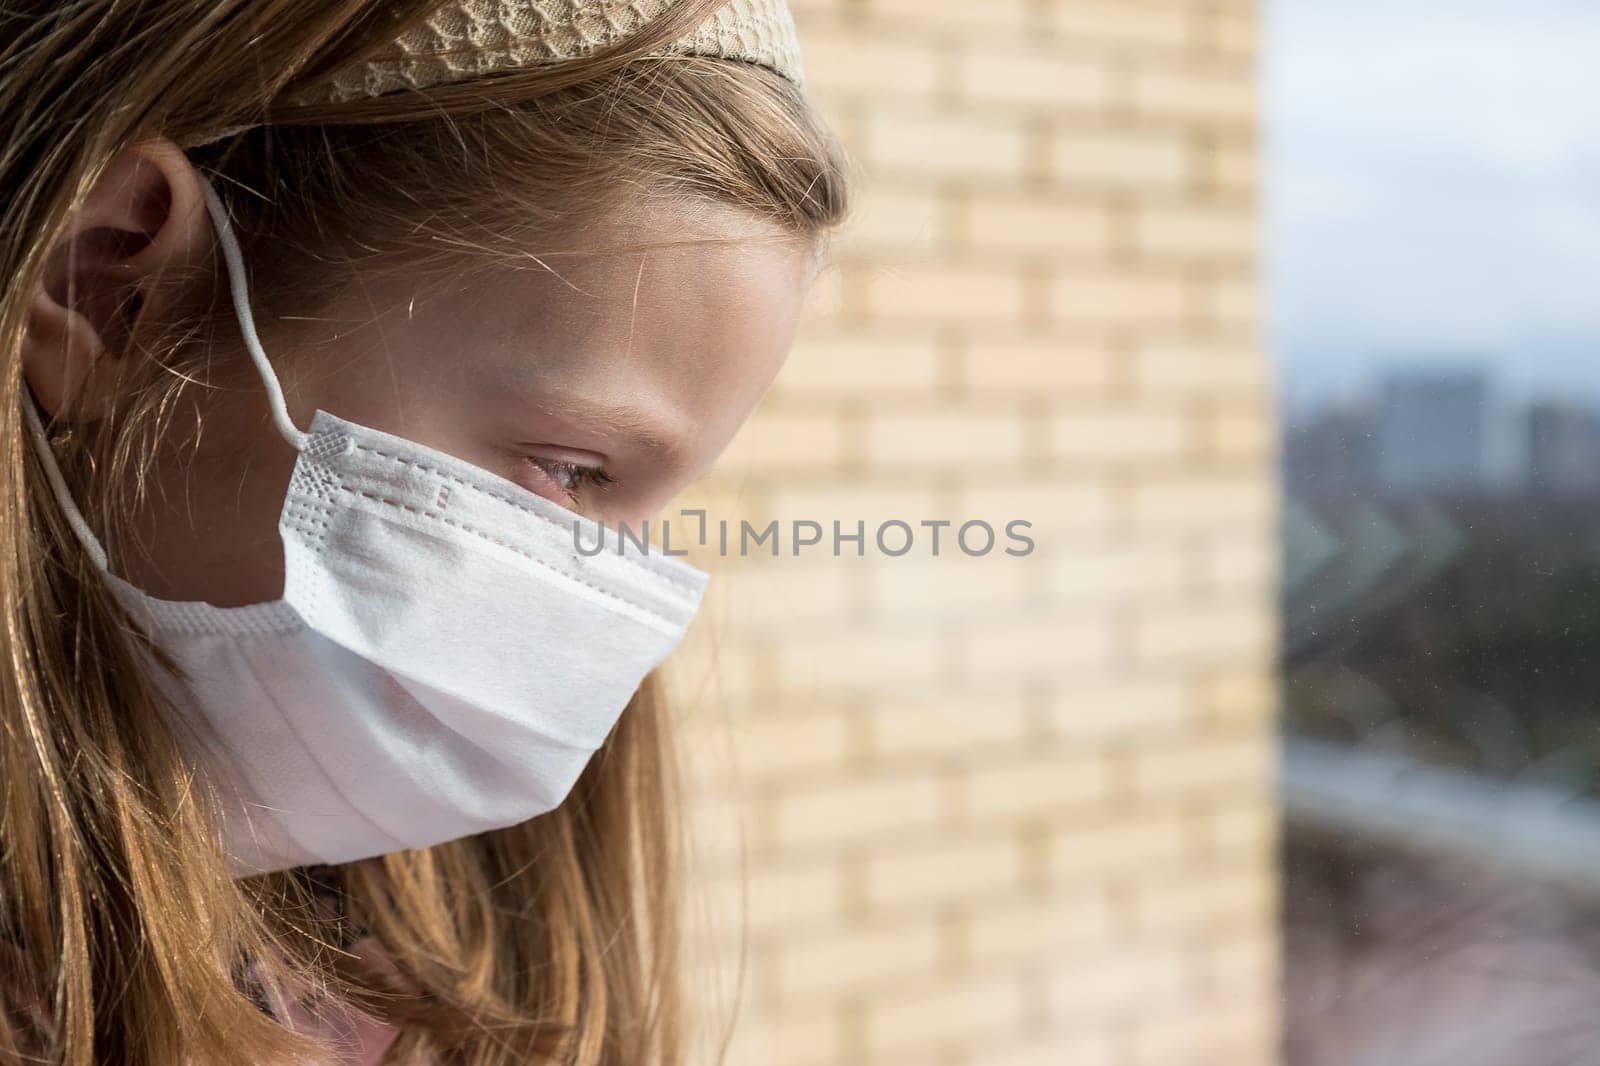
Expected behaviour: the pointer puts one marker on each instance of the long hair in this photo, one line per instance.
(550, 941)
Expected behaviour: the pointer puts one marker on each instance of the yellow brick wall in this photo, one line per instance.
(1007, 810)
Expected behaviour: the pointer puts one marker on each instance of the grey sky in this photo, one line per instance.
(1434, 176)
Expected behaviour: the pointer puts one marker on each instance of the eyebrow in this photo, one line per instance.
(645, 430)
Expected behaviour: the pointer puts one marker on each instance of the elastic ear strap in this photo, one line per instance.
(58, 484)
(234, 261)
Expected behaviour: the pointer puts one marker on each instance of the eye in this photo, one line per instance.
(571, 477)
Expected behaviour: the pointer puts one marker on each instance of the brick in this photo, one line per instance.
(1232, 304)
(1109, 299)
(1240, 565)
(774, 440)
(928, 293)
(856, 958)
(1220, 899)
(778, 595)
(1206, 632)
(776, 553)
(769, 900)
(793, 1037)
(1245, 825)
(717, 497)
(1235, 169)
(896, 223)
(1079, 1048)
(851, 501)
(703, 673)
(951, 584)
(855, 365)
(787, 745)
(1209, 502)
(903, 876)
(1009, 809)
(722, 832)
(947, 21)
(812, 15)
(1063, 510)
(845, 61)
(1223, 95)
(710, 493)
(935, 146)
(708, 760)
(1043, 933)
(907, 731)
(1241, 434)
(1152, 843)
(1031, 364)
(1236, 32)
(1240, 695)
(1121, 708)
(1214, 234)
(1123, 160)
(1238, 1035)
(1123, 574)
(1038, 227)
(945, 438)
(1115, 437)
(1208, 765)
(919, 1017)
(828, 298)
(1039, 784)
(1123, 980)
(1240, 965)
(1117, 26)
(1032, 78)
(1164, 366)
(1035, 650)
(856, 809)
(868, 660)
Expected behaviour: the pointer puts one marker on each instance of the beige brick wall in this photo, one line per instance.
(1008, 810)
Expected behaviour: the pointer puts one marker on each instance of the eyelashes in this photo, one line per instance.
(572, 478)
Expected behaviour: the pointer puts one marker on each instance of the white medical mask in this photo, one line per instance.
(443, 661)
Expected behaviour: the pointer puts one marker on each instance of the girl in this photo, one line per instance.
(326, 325)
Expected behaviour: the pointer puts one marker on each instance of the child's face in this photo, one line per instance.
(639, 364)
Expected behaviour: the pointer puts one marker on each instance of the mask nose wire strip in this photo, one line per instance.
(234, 261)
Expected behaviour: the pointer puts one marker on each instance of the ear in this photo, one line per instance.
(145, 217)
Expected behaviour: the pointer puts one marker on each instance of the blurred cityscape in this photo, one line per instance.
(1425, 429)
(1433, 216)
(1442, 575)
(1440, 611)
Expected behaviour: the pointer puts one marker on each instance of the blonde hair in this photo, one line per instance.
(554, 940)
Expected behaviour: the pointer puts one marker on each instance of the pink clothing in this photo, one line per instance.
(360, 1040)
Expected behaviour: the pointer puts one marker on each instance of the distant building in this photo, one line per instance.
(1563, 448)
(1330, 452)
(1431, 430)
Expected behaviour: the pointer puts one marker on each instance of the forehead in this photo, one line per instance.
(687, 309)
(687, 278)
(679, 242)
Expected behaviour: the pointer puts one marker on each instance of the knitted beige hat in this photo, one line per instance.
(466, 39)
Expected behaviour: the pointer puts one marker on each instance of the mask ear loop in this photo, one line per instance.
(58, 484)
(234, 262)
